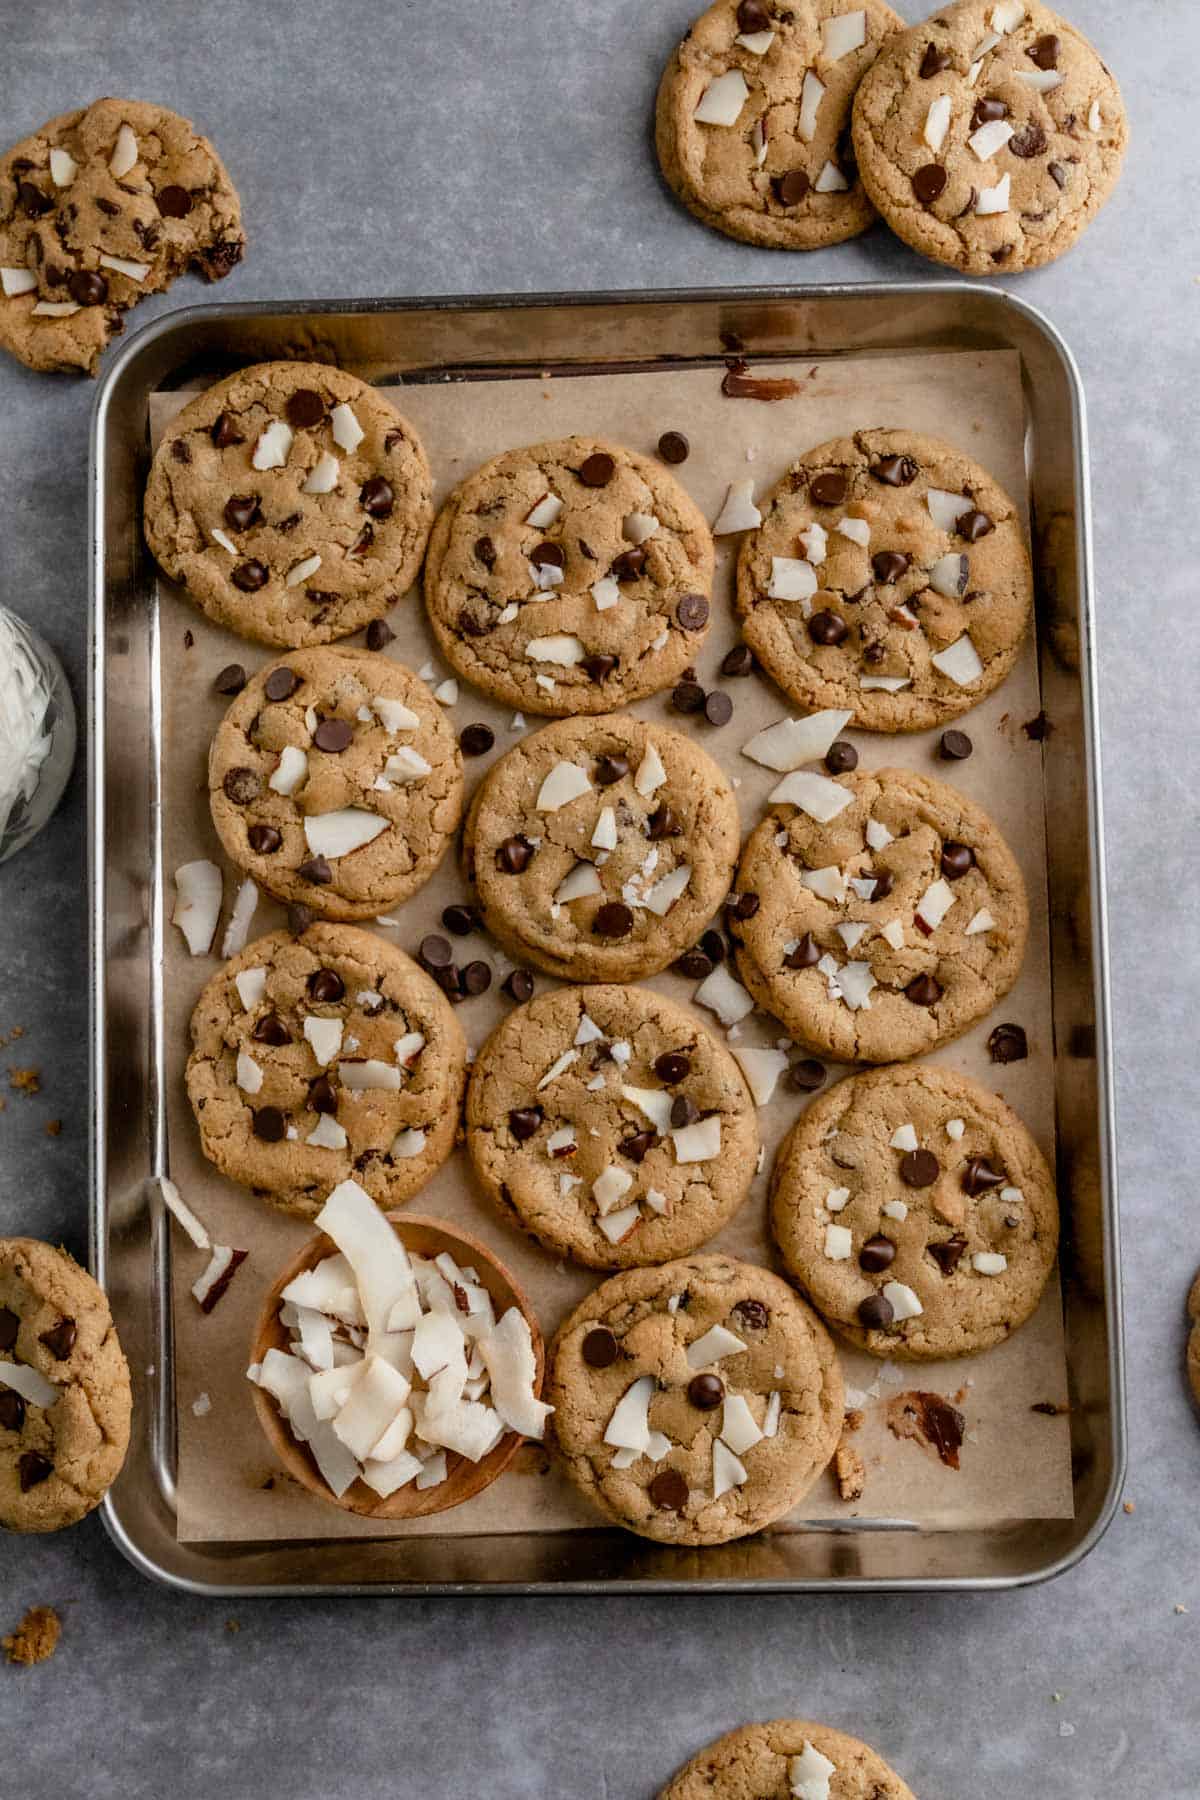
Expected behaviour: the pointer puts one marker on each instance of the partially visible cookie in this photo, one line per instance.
(782, 1759)
(65, 1399)
(98, 208)
(889, 578)
(292, 501)
(752, 123)
(990, 135)
(1193, 1345)
(611, 1125)
(321, 1057)
(891, 914)
(335, 779)
(569, 577)
(696, 1402)
(917, 1212)
(600, 848)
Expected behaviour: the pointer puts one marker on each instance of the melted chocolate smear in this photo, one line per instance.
(928, 1419)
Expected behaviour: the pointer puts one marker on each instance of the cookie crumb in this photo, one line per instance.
(852, 1419)
(53, 1127)
(1180, 1607)
(25, 1081)
(233, 1626)
(35, 1639)
(1129, 1508)
(850, 1472)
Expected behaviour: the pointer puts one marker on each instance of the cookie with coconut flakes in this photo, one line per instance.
(697, 1402)
(917, 1213)
(611, 1125)
(889, 577)
(292, 501)
(321, 1057)
(569, 577)
(782, 1759)
(891, 913)
(599, 849)
(753, 118)
(990, 135)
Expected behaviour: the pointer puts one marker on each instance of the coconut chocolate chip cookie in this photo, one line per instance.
(600, 849)
(753, 118)
(323, 1057)
(786, 1759)
(335, 780)
(611, 1125)
(98, 208)
(292, 502)
(64, 1389)
(696, 1402)
(891, 913)
(990, 135)
(571, 577)
(917, 1212)
(890, 578)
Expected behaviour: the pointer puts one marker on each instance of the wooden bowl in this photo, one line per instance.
(423, 1237)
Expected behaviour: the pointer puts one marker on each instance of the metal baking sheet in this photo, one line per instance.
(473, 340)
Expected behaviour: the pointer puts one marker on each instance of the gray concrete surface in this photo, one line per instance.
(413, 148)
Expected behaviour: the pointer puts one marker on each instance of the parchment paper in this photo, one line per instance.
(1015, 1464)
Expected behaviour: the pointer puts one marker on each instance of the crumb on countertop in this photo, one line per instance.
(35, 1639)
(53, 1127)
(850, 1472)
(25, 1081)
(1129, 1508)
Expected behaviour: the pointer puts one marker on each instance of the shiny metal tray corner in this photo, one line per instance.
(478, 339)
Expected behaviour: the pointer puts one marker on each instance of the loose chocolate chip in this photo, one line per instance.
(738, 661)
(241, 511)
(688, 697)
(459, 919)
(929, 184)
(841, 757)
(1008, 1044)
(32, 1469)
(333, 736)
(948, 1253)
(923, 990)
(523, 1121)
(753, 16)
(637, 1146)
(514, 855)
(752, 1315)
(9, 1326)
(669, 1491)
(34, 201)
(934, 61)
(889, 565)
(663, 823)
(231, 679)
(321, 1097)
(599, 1348)
(718, 708)
(673, 447)
(476, 740)
(807, 1075)
(379, 634)
(806, 955)
(549, 556)
(597, 470)
(264, 840)
(613, 920)
(519, 986)
(242, 786)
(598, 668)
(281, 683)
(876, 1255)
(954, 746)
(895, 471)
(224, 432)
(919, 1168)
(250, 576)
(828, 488)
(435, 952)
(974, 525)
(305, 407)
(683, 1112)
(706, 1392)
(270, 1029)
(672, 1066)
(743, 906)
(1057, 174)
(1029, 142)
(269, 1124)
(876, 1312)
(692, 612)
(326, 986)
(173, 202)
(1045, 51)
(449, 980)
(610, 769)
(694, 964)
(957, 860)
(87, 288)
(979, 1176)
(828, 628)
(477, 978)
(628, 565)
(790, 188)
(12, 1410)
(987, 110)
(883, 885)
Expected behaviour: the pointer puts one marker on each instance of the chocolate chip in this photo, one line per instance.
(706, 1392)
(476, 740)
(987, 110)
(321, 1097)
(1057, 174)
(934, 61)
(673, 447)
(752, 17)
(663, 823)
(599, 1348)
(613, 920)
(549, 556)
(519, 986)
(270, 1029)
(611, 768)
(333, 736)
(806, 955)
(304, 408)
(694, 964)
(895, 471)
(241, 511)
(669, 1491)
(628, 565)
(979, 1176)
(718, 708)
(299, 917)
(1029, 142)
(954, 746)
(743, 906)
(684, 1112)
(523, 1121)
(688, 697)
(242, 786)
(919, 1168)
(181, 450)
(974, 525)
(377, 497)
(9, 1326)
(231, 679)
(32, 1469)
(87, 288)
(598, 668)
(929, 184)
(692, 612)
(738, 661)
(713, 946)
(12, 1410)
(807, 1075)
(435, 952)
(379, 634)
(1045, 51)
(1008, 1044)
(224, 432)
(250, 576)
(672, 1067)
(828, 488)
(597, 470)
(637, 1146)
(514, 855)
(326, 986)
(828, 628)
(923, 990)
(957, 860)
(269, 1124)
(889, 565)
(790, 188)
(449, 980)
(873, 653)
(841, 757)
(35, 202)
(947, 1254)
(477, 978)
(173, 202)
(876, 1312)
(459, 919)
(485, 552)
(264, 840)
(877, 1254)
(883, 885)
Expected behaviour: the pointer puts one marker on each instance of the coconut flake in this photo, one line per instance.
(650, 773)
(809, 1774)
(1007, 15)
(249, 1076)
(177, 1206)
(369, 1076)
(816, 795)
(508, 1355)
(949, 574)
(224, 540)
(722, 995)
(565, 782)
(960, 662)
(660, 898)
(994, 199)
(292, 770)
(606, 592)
(197, 904)
(251, 985)
(990, 138)
(935, 903)
(393, 715)
(722, 100)
(27, 1381)
(851, 933)
(739, 512)
(238, 928)
(828, 883)
(887, 684)
(857, 530)
(406, 1145)
(588, 1031)
(762, 1069)
(790, 742)
(716, 1344)
(1095, 118)
(324, 1037)
(838, 1243)
(223, 1266)
(937, 122)
(136, 271)
(582, 880)
(792, 579)
(323, 477)
(558, 1068)
(58, 309)
(274, 446)
(407, 765)
(124, 153)
(348, 434)
(610, 1188)
(982, 921)
(728, 1472)
(903, 1301)
(893, 934)
(327, 1134)
(629, 1426)
(758, 141)
(856, 981)
(739, 1429)
(945, 508)
(17, 281)
(836, 1198)
(63, 168)
(831, 180)
(639, 527)
(842, 34)
(301, 571)
(756, 42)
(1044, 80)
(544, 512)
(340, 833)
(699, 1142)
(560, 648)
(811, 96)
(989, 1262)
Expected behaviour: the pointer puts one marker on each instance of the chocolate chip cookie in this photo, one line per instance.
(611, 1125)
(752, 124)
(600, 849)
(99, 207)
(335, 780)
(889, 578)
(292, 502)
(782, 1759)
(917, 1213)
(325, 1056)
(696, 1402)
(64, 1389)
(571, 577)
(891, 913)
(990, 135)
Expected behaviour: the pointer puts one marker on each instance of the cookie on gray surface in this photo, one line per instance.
(889, 578)
(917, 1213)
(569, 577)
(292, 501)
(321, 1057)
(752, 124)
(990, 135)
(97, 208)
(696, 1402)
(335, 780)
(784, 1758)
(65, 1400)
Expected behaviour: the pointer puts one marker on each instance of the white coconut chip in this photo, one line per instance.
(340, 833)
(324, 1037)
(838, 1243)
(830, 180)
(238, 929)
(197, 904)
(739, 1428)
(858, 531)
(17, 281)
(990, 138)
(816, 795)
(842, 34)
(348, 434)
(792, 579)
(63, 168)
(562, 648)
(722, 100)
(124, 265)
(27, 1381)
(323, 477)
(59, 309)
(724, 995)
(789, 743)
(762, 1069)
(124, 153)
(393, 715)
(291, 771)
(945, 508)
(959, 662)
(989, 1262)
(828, 883)
(994, 199)
(251, 985)
(247, 1073)
(886, 684)
(837, 1198)
(178, 1207)
(811, 96)
(565, 782)
(507, 1353)
(660, 898)
(739, 512)
(716, 1344)
(728, 1472)
(606, 592)
(935, 903)
(982, 921)
(273, 447)
(903, 1301)
(937, 123)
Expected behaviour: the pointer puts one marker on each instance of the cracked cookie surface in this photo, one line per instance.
(292, 501)
(759, 1762)
(569, 577)
(917, 1213)
(912, 585)
(611, 1125)
(782, 173)
(59, 1459)
(321, 1057)
(1054, 127)
(886, 930)
(97, 208)
(681, 1363)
